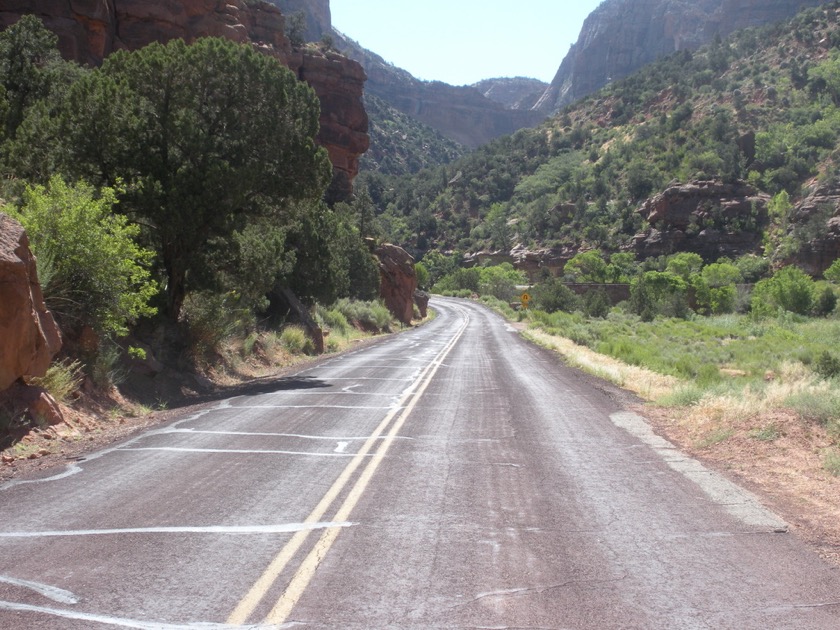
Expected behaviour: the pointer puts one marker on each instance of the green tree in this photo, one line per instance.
(684, 264)
(552, 295)
(28, 57)
(500, 281)
(789, 289)
(92, 271)
(832, 274)
(206, 136)
(422, 276)
(659, 293)
(586, 267)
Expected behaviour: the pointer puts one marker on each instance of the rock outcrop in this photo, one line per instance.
(29, 336)
(817, 220)
(89, 30)
(339, 84)
(621, 36)
(709, 218)
(513, 92)
(398, 281)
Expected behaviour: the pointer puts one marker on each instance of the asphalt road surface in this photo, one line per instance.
(452, 476)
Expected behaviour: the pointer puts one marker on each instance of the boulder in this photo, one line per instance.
(398, 281)
(29, 336)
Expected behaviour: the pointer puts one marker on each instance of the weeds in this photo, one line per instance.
(295, 340)
(61, 380)
(766, 434)
(831, 462)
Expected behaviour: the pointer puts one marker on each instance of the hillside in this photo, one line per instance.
(756, 114)
(399, 144)
(461, 113)
(621, 36)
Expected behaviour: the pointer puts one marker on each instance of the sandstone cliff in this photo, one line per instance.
(710, 218)
(816, 221)
(89, 30)
(317, 12)
(621, 36)
(29, 337)
(513, 92)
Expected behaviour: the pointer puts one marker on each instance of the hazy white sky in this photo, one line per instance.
(463, 41)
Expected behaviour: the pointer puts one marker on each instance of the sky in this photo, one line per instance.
(464, 41)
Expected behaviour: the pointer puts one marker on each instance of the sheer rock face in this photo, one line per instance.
(318, 15)
(398, 281)
(621, 36)
(29, 336)
(89, 30)
(339, 84)
(818, 213)
(710, 218)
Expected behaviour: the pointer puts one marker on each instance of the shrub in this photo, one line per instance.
(552, 296)
(295, 340)
(659, 293)
(368, 315)
(827, 365)
(825, 303)
(211, 318)
(61, 380)
(821, 407)
(95, 273)
(789, 289)
(333, 319)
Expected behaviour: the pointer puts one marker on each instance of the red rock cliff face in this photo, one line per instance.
(29, 337)
(89, 30)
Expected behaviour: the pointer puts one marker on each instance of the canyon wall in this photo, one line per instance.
(621, 36)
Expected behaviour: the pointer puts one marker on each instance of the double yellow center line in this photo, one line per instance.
(293, 592)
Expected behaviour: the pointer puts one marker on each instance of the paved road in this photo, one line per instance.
(452, 476)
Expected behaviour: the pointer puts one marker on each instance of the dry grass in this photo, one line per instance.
(646, 383)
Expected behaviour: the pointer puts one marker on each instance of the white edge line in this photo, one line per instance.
(737, 501)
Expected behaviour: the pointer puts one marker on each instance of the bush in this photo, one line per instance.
(825, 303)
(827, 365)
(822, 407)
(789, 289)
(552, 296)
(211, 318)
(295, 340)
(95, 273)
(372, 316)
(61, 380)
(333, 319)
(659, 293)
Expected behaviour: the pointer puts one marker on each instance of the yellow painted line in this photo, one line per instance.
(258, 591)
(306, 571)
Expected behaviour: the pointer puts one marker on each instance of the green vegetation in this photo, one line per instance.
(400, 145)
(92, 271)
(175, 187)
(575, 182)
